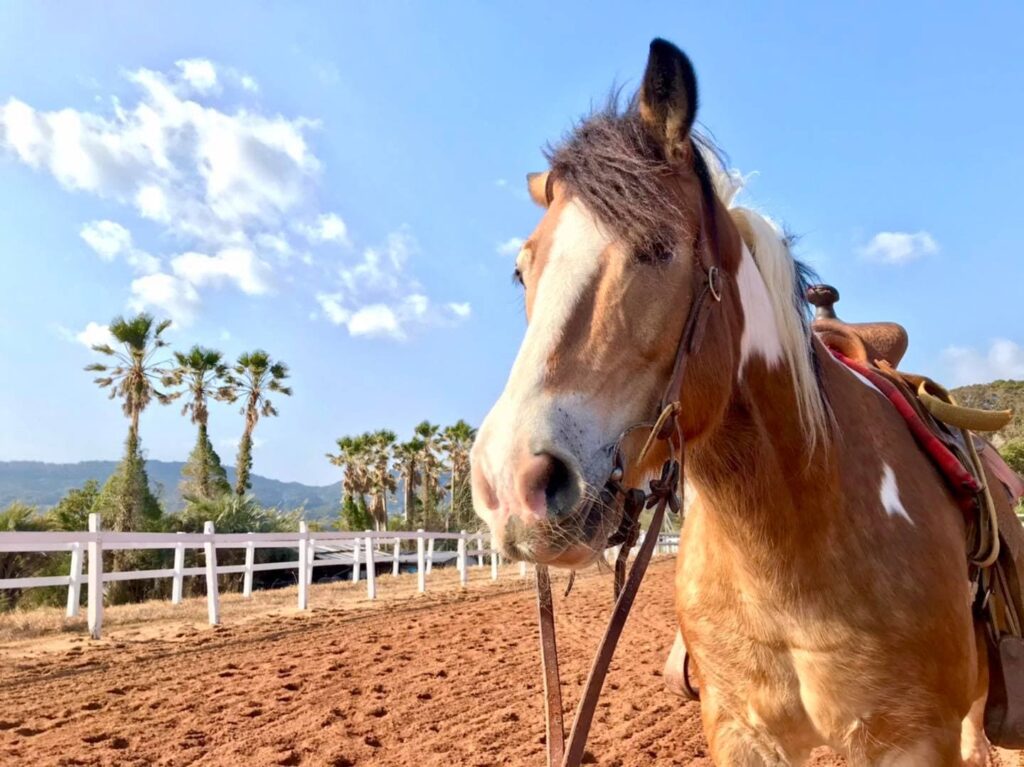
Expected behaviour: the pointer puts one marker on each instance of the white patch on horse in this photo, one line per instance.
(890, 495)
(760, 331)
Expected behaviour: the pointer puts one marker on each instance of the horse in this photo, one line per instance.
(822, 584)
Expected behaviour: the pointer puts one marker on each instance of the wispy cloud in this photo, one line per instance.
(93, 334)
(328, 227)
(1003, 359)
(510, 247)
(378, 296)
(899, 247)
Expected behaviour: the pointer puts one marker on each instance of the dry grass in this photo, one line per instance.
(442, 584)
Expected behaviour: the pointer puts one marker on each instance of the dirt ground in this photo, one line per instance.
(450, 678)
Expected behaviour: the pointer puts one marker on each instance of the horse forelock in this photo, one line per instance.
(613, 163)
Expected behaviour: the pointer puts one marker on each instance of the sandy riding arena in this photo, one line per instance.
(447, 678)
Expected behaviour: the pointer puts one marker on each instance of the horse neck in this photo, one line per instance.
(758, 477)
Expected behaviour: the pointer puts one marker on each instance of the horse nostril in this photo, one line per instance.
(547, 485)
(560, 490)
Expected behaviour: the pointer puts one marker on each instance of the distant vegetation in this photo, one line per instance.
(998, 395)
(376, 465)
(430, 472)
(1001, 395)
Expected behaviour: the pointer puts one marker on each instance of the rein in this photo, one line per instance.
(665, 492)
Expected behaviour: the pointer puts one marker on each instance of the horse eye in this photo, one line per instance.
(654, 253)
(517, 277)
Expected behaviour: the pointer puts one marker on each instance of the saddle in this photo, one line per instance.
(985, 487)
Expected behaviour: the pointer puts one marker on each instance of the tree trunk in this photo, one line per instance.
(409, 492)
(203, 473)
(243, 465)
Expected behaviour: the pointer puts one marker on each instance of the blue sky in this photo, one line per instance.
(334, 182)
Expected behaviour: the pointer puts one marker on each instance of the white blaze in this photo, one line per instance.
(526, 419)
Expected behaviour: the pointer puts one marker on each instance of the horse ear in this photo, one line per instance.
(668, 97)
(537, 184)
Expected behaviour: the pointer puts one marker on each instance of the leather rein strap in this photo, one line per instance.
(665, 493)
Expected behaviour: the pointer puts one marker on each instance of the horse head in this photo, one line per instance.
(630, 227)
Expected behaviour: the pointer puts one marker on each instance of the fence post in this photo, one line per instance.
(177, 580)
(94, 586)
(430, 556)
(75, 580)
(463, 565)
(371, 572)
(494, 559)
(312, 558)
(355, 561)
(395, 556)
(250, 561)
(212, 594)
(480, 550)
(522, 569)
(421, 564)
(303, 568)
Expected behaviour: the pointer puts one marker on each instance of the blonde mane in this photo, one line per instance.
(770, 250)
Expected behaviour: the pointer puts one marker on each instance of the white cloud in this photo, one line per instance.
(170, 294)
(201, 74)
(377, 297)
(204, 172)
(151, 202)
(389, 319)
(95, 334)
(380, 269)
(329, 227)
(375, 320)
(237, 265)
(224, 182)
(899, 247)
(460, 310)
(510, 247)
(333, 308)
(110, 240)
(1004, 359)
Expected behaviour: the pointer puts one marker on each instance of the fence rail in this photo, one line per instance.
(363, 551)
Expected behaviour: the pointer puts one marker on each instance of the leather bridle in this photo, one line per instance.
(665, 492)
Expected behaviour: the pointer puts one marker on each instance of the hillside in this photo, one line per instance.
(998, 395)
(42, 484)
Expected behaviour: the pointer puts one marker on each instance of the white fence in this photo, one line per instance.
(362, 551)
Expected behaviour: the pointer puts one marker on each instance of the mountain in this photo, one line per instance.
(43, 484)
(998, 395)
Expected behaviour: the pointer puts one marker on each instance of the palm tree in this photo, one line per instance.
(353, 458)
(203, 375)
(456, 440)
(126, 502)
(253, 378)
(430, 469)
(407, 456)
(133, 374)
(381, 480)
